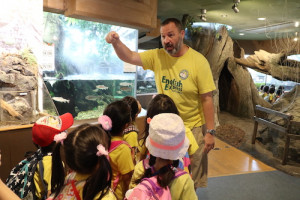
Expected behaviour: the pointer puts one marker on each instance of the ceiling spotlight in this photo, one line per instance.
(203, 18)
(203, 15)
(235, 8)
(296, 37)
(296, 24)
(242, 34)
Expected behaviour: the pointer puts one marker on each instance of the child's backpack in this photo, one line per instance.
(149, 189)
(21, 177)
(113, 146)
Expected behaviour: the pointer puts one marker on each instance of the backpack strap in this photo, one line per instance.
(146, 164)
(113, 146)
(41, 171)
(179, 173)
(76, 193)
(154, 187)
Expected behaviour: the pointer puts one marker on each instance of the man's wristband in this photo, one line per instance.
(211, 131)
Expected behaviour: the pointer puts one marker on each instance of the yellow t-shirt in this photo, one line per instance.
(47, 164)
(181, 187)
(183, 79)
(68, 192)
(193, 143)
(120, 163)
(131, 138)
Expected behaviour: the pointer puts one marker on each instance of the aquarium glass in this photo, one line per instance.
(145, 83)
(81, 71)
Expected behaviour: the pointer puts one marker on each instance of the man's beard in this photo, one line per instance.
(175, 49)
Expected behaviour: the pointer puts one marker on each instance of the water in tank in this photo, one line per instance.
(82, 73)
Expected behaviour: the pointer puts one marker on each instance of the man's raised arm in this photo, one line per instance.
(123, 52)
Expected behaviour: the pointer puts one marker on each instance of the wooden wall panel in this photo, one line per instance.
(140, 14)
(54, 6)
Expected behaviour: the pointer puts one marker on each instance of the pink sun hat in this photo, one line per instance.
(167, 137)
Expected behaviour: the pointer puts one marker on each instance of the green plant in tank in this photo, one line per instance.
(187, 22)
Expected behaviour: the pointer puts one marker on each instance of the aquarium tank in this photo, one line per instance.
(81, 71)
(145, 82)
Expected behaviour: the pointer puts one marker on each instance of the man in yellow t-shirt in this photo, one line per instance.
(185, 76)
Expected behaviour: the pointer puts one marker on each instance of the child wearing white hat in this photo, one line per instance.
(166, 143)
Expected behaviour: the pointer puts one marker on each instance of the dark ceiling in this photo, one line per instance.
(281, 16)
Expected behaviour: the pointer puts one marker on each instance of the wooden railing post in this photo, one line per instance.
(254, 132)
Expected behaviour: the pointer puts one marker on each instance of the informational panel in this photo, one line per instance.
(48, 61)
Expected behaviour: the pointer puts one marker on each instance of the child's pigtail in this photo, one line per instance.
(100, 180)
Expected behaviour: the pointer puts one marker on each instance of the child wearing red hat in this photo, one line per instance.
(43, 133)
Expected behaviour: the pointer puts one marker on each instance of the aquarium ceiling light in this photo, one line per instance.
(270, 27)
(261, 18)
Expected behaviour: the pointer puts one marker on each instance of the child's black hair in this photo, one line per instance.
(161, 103)
(279, 92)
(271, 90)
(119, 113)
(266, 89)
(80, 148)
(133, 104)
(164, 175)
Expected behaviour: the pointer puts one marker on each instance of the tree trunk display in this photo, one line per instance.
(276, 65)
(236, 91)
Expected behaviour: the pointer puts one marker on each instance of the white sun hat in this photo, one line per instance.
(167, 137)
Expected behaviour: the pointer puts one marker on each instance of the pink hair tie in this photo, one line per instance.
(105, 122)
(60, 137)
(101, 150)
(148, 120)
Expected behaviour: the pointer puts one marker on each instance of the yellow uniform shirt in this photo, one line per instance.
(183, 79)
(68, 192)
(121, 162)
(47, 164)
(131, 138)
(193, 143)
(181, 187)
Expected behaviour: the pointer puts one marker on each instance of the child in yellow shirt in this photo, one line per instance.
(162, 103)
(130, 134)
(167, 143)
(115, 118)
(85, 153)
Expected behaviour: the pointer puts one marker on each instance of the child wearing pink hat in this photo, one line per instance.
(166, 143)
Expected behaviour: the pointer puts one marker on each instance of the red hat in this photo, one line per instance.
(45, 128)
